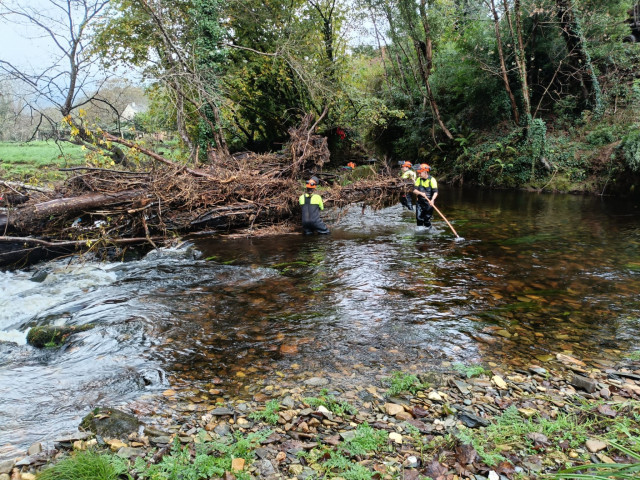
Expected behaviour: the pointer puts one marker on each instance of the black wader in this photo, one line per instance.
(311, 221)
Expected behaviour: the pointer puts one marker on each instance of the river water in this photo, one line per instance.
(534, 276)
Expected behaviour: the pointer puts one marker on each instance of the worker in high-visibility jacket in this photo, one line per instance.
(410, 176)
(426, 191)
(312, 204)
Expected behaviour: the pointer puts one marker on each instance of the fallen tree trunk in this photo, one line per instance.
(24, 218)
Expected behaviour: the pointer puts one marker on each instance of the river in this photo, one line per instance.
(535, 275)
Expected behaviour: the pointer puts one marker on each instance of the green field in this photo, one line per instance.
(24, 161)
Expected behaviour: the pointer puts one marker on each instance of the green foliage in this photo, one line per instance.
(470, 371)
(366, 440)
(331, 403)
(630, 150)
(339, 463)
(570, 429)
(602, 471)
(87, 466)
(210, 459)
(269, 414)
(635, 355)
(403, 382)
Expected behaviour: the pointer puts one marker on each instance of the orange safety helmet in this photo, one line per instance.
(351, 164)
(424, 168)
(406, 164)
(311, 183)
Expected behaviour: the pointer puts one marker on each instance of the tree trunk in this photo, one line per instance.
(24, 219)
(576, 46)
(424, 51)
(503, 66)
(518, 46)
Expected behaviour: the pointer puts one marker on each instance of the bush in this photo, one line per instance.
(630, 150)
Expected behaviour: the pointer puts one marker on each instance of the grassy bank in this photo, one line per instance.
(41, 160)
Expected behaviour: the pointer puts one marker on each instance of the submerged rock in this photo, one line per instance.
(110, 423)
(49, 337)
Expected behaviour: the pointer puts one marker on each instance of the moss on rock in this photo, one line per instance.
(110, 423)
(50, 337)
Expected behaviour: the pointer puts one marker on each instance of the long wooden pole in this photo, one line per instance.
(445, 219)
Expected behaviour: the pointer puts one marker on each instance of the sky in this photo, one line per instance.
(21, 46)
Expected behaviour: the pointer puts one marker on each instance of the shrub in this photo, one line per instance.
(630, 150)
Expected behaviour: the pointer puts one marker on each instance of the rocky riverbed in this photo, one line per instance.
(459, 423)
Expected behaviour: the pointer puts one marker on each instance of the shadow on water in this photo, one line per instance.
(537, 275)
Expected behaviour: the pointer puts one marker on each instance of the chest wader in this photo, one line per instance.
(424, 211)
(405, 198)
(311, 221)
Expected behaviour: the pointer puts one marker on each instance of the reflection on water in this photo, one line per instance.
(536, 275)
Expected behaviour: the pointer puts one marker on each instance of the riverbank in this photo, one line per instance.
(461, 422)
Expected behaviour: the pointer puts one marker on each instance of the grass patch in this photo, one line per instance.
(612, 422)
(400, 382)
(38, 159)
(603, 471)
(87, 466)
(269, 414)
(470, 371)
(633, 355)
(366, 442)
(331, 403)
(202, 460)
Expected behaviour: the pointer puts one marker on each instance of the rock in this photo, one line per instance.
(471, 420)
(348, 435)
(265, 467)
(435, 396)
(296, 469)
(584, 383)
(129, 452)
(538, 370)
(237, 464)
(160, 440)
(110, 423)
(308, 473)
(316, 381)
(604, 459)
(39, 276)
(223, 429)
(7, 466)
(605, 393)
(528, 412)
(4, 476)
(395, 438)
(595, 446)
(393, 408)
(499, 382)
(221, 411)
(325, 412)
(27, 476)
(568, 360)
(404, 416)
(49, 337)
(410, 462)
(115, 444)
(464, 387)
(287, 402)
(35, 449)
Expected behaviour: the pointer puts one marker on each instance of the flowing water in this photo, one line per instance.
(535, 275)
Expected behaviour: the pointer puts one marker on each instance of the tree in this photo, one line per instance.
(68, 81)
(583, 71)
(178, 44)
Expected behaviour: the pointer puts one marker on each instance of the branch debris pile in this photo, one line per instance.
(246, 191)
